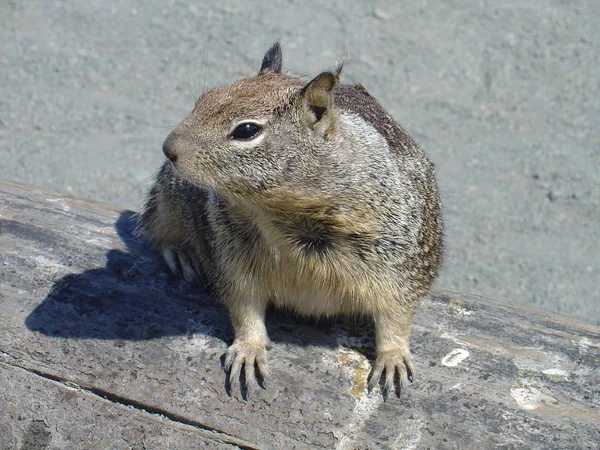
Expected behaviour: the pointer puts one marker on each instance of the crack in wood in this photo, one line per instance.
(111, 397)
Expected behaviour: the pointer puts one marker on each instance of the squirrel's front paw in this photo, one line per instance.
(184, 263)
(254, 359)
(398, 370)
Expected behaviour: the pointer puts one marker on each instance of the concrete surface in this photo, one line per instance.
(504, 96)
(102, 348)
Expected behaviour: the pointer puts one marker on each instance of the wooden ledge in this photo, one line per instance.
(101, 348)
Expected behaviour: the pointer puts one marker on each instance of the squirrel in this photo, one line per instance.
(307, 196)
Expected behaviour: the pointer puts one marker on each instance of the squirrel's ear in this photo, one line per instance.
(272, 61)
(318, 99)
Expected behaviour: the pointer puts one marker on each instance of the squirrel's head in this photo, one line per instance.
(259, 135)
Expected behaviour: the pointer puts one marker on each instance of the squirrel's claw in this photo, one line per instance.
(184, 264)
(254, 361)
(398, 371)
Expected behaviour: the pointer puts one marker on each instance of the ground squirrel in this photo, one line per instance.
(307, 196)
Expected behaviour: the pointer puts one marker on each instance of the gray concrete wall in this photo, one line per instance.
(504, 96)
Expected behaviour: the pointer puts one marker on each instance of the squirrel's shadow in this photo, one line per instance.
(135, 297)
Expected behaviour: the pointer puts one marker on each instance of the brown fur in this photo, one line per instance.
(331, 209)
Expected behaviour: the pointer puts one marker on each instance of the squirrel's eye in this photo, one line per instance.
(245, 131)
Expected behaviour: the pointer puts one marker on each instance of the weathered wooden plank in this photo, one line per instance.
(83, 302)
(39, 413)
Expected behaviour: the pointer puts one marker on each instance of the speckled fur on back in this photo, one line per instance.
(308, 196)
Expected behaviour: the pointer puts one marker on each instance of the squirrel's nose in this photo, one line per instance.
(169, 148)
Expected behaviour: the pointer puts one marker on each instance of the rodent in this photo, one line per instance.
(308, 196)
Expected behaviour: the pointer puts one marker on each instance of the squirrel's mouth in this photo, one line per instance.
(186, 177)
(210, 183)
